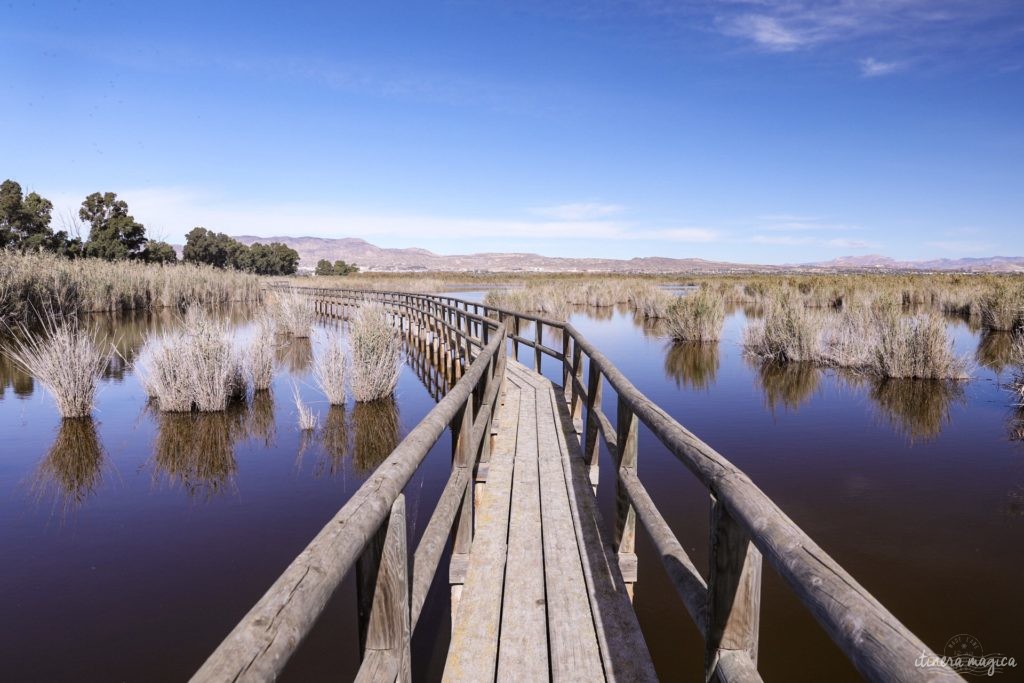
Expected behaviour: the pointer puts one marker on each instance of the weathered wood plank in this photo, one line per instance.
(523, 650)
(473, 651)
(575, 654)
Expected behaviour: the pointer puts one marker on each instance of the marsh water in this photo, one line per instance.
(133, 542)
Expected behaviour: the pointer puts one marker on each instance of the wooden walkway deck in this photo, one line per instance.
(543, 594)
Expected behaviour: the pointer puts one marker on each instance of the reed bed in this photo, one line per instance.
(198, 367)
(66, 358)
(915, 347)
(376, 352)
(329, 368)
(33, 283)
(789, 333)
(697, 317)
(1017, 383)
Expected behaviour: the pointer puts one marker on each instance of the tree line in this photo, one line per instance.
(115, 235)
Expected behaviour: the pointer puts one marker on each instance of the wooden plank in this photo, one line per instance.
(575, 654)
(624, 652)
(523, 650)
(473, 652)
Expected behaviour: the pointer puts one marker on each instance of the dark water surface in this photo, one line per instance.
(132, 544)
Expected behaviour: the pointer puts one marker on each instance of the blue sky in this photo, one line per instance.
(768, 131)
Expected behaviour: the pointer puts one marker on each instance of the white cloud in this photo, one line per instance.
(578, 211)
(768, 32)
(871, 67)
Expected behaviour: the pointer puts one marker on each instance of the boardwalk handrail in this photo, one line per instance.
(746, 524)
(370, 531)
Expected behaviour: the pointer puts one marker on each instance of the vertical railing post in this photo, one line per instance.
(463, 456)
(592, 442)
(734, 591)
(538, 335)
(627, 427)
(575, 402)
(382, 580)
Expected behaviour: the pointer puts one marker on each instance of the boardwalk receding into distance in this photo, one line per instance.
(541, 587)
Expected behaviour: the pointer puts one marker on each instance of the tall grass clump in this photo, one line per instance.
(260, 355)
(329, 369)
(916, 347)
(66, 358)
(1018, 376)
(195, 368)
(295, 313)
(376, 352)
(697, 317)
(788, 333)
(1002, 307)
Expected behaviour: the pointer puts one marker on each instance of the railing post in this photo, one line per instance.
(734, 591)
(592, 443)
(538, 336)
(463, 455)
(382, 580)
(625, 519)
(575, 404)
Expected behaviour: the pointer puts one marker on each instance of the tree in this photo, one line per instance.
(324, 267)
(342, 268)
(114, 234)
(159, 252)
(222, 251)
(25, 220)
(211, 248)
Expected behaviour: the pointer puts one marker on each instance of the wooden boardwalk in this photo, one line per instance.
(540, 587)
(543, 593)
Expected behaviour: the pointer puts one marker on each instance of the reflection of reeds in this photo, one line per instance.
(334, 437)
(788, 384)
(260, 418)
(198, 449)
(917, 408)
(376, 432)
(296, 355)
(995, 350)
(12, 375)
(692, 364)
(72, 468)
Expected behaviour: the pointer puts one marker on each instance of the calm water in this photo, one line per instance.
(134, 543)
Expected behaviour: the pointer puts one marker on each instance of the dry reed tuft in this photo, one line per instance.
(260, 354)
(197, 367)
(788, 333)
(65, 358)
(697, 317)
(915, 347)
(1018, 377)
(376, 352)
(295, 313)
(329, 369)
(1002, 307)
(308, 419)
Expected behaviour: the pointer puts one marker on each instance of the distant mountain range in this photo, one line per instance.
(371, 257)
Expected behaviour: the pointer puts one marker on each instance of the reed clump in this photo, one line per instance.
(260, 354)
(1018, 376)
(788, 333)
(308, 419)
(1002, 307)
(376, 353)
(697, 317)
(195, 368)
(914, 347)
(66, 358)
(294, 313)
(329, 369)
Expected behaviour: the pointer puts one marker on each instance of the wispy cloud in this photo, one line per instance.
(578, 211)
(871, 67)
(961, 246)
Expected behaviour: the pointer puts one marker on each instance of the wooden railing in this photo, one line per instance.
(469, 339)
(369, 532)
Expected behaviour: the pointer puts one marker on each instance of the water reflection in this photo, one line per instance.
(128, 331)
(261, 424)
(13, 376)
(917, 408)
(376, 432)
(295, 355)
(197, 450)
(651, 327)
(788, 385)
(72, 469)
(692, 364)
(995, 350)
(335, 442)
